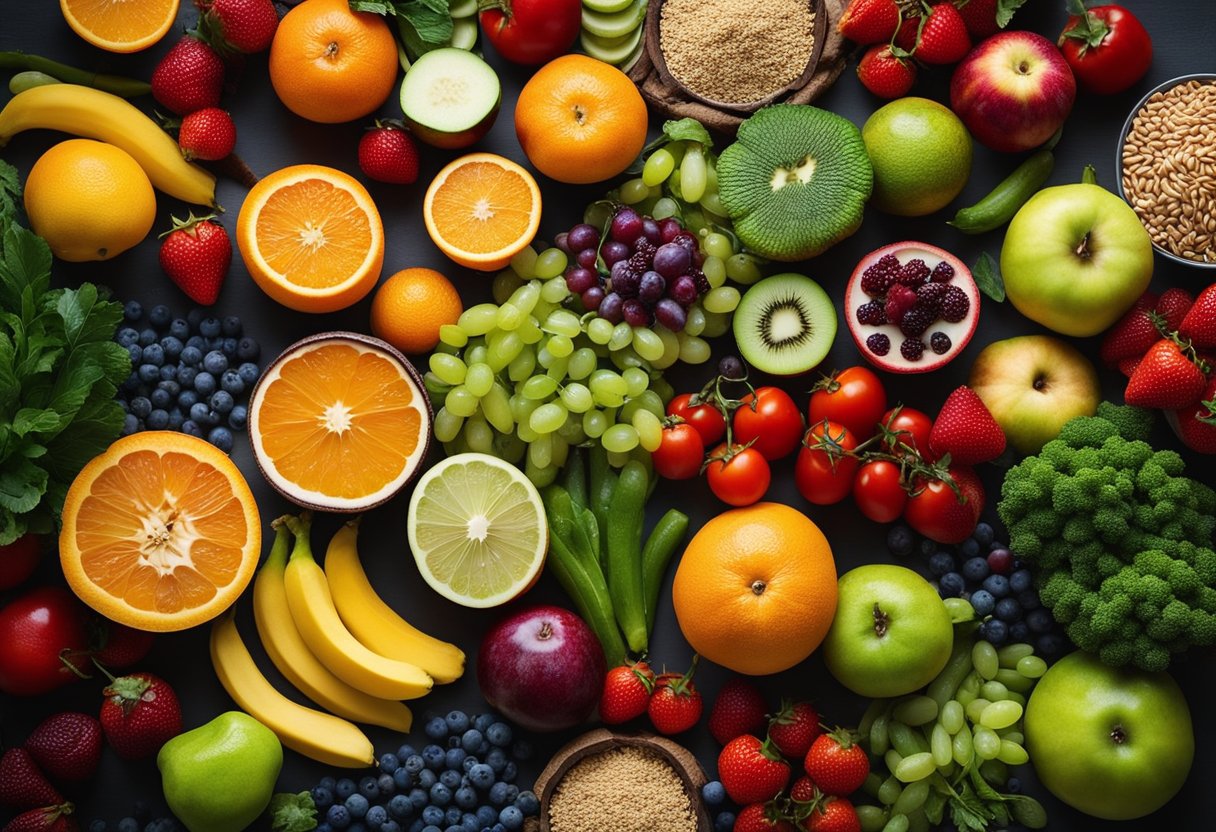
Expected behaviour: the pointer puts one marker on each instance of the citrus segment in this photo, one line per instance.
(477, 529)
(120, 25)
(160, 532)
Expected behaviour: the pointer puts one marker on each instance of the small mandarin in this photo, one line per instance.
(411, 306)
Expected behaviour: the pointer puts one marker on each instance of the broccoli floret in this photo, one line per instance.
(1087, 432)
(1131, 422)
(1117, 653)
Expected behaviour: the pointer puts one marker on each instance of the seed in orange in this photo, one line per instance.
(311, 238)
(339, 422)
(120, 25)
(330, 64)
(755, 590)
(481, 210)
(580, 120)
(409, 308)
(160, 532)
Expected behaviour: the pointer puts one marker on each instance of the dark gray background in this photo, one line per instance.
(270, 137)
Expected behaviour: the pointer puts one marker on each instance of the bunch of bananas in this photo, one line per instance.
(334, 638)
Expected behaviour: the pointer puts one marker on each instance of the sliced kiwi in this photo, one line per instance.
(785, 324)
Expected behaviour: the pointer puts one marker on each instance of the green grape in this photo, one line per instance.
(1014, 696)
(505, 282)
(526, 297)
(599, 331)
(671, 348)
(542, 309)
(524, 262)
(447, 349)
(550, 263)
(447, 425)
(509, 317)
(636, 381)
(649, 430)
(722, 300)
(1032, 667)
(539, 388)
(548, 417)
(694, 323)
(904, 739)
(693, 174)
(743, 268)
(960, 610)
(479, 379)
(984, 660)
(1011, 654)
(577, 398)
(714, 270)
(712, 203)
(897, 823)
(658, 167)
(554, 290)
(662, 388)
(594, 423)
(478, 435)
(963, 748)
(598, 213)
(1012, 735)
(436, 387)
(572, 432)
(561, 450)
(504, 350)
(541, 477)
(447, 368)
(976, 707)
(452, 335)
(968, 689)
(717, 245)
(521, 366)
(557, 368)
(529, 331)
(913, 796)
(647, 344)
(461, 402)
(496, 407)
(456, 446)
(952, 716)
(916, 710)
(994, 691)
(479, 319)
(540, 452)
(1001, 715)
(477, 354)
(1011, 753)
(628, 357)
(918, 822)
(664, 208)
(620, 438)
(1014, 681)
(715, 324)
(939, 746)
(890, 790)
(872, 782)
(582, 363)
(872, 818)
(634, 191)
(509, 447)
(606, 382)
(880, 740)
(559, 346)
(916, 767)
(618, 459)
(622, 336)
(987, 743)
(525, 433)
(562, 322)
(545, 358)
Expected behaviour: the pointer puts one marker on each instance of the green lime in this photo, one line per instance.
(921, 155)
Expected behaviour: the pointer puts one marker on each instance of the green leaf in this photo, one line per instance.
(1027, 811)
(26, 263)
(21, 484)
(10, 388)
(293, 812)
(1005, 10)
(988, 277)
(86, 317)
(29, 420)
(372, 6)
(11, 527)
(967, 811)
(983, 790)
(96, 425)
(935, 807)
(687, 130)
(10, 193)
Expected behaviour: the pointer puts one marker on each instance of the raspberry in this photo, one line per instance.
(880, 276)
(930, 296)
(878, 343)
(943, 272)
(899, 300)
(940, 343)
(955, 304)
(871, 313)
(912, 349)
(914, 273)
(915, 321)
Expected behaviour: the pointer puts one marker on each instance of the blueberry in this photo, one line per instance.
(126, 337)
(159, 316)
(528, 803)
(179, 328)
(900, 540)
(136, 353)
(192, 428)
(338, 816)
(149, 373)
(387, 786)
(1013, 785)
(215, 344)
(413, 764)
(983, 602)
(511, 818)
(468, 823)
(436, 729)
(487, 815)
(713, 793)
(994, 631)
(247, 349)
(221, 438)
(222, 402)
(496, 759)
(200, 412)
(191, 356)
(1020, 581)
(432, 815)
(452, 817)
(998, 585)
(132, 310)
(983, 534)
(457, 721)
(465, 797)
(172, 347)
(451, 779)
(418, 797)
(228, 348)
(160, 398)
(453, 742)
(344, 788)
(1019, 632)
(975, 569)
(1008, 610)
(969, 548)
(199, 343)
(215, 362)
(97, 825)
(951, 585)
(427, 778)
(469, 762)
(1049, 645)
(483, 721)
(232, 383)
(209, 327)
(509, 772)
(204, 383)
(141, 406)
(147, 337)
(454, 758)
(481, 776)
(405, 751)
(357, 804)
(187, 399)
(168, 372)
(499, 734)
(1039, 620)
(402, 779)
(483, 749)
(128, 825)
(158, 419)
(322, 798)
(430, 827)
(369, 788)
(941, 563)
(512, 792)
(1029, 599)
(498, 794)
(724, 822)
(400, 807)
(390, 826)
(470, 740)
(186, 376)
(328, 782)
(231, 326)
(434, 756)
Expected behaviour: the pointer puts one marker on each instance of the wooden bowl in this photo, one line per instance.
(600, 740)
(655, 51)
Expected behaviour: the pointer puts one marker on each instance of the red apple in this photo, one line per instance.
(1013, 91)
(541, 667)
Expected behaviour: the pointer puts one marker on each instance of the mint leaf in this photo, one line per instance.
(293, 812)
(687, 130)
(988, 277)
(1005, 10)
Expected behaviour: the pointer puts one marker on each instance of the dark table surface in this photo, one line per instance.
(270, 137)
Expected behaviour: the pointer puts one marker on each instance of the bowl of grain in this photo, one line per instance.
(736, 55)
(1167, 167)
(607, 780)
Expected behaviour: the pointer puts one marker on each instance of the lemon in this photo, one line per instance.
(478, 531)
(921, 155)
(89, 200)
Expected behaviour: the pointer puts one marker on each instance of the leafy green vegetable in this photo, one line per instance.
(988, 277)
(293, 812)
(59, 371)
(422, 25)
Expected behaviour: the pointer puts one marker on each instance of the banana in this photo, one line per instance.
(312, 609)
(374, 622)
(94, 114)
(320, 736)
(297, 663)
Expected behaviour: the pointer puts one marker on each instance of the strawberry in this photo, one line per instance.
(1166, 378)
(140, 713)
(836, 763)
(833, 815)
(1128, 365)
(909, 32)
(57, 818)
(207, 134)
(1173, 305)
(803, 790)
(1199, 323)
(241, 25)
(118, 646)
(22, 783)
(1196, 425)
(388, 154)
(762, 817)
(739, 709)
(979, 16)
(794, 728)
(1133, 334)
(885, 75)
(626, 693)
(190, 77)
(196, 254)
(966, 430)
(67, 746)
(752, 771)
(869, 21)
(676, 705)
(943, 38)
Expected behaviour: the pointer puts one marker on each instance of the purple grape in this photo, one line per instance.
(614, 252)
(669, 228)
(670, 314)
(579, 280)
(626, 225)
(636, 313)
(586, 258)
(592, 298)
(625, 280)
(688, 242)
(651, 287)
(684, 290)
(582, 236)
(611, 308)
(561, 241)
(650, 229)
(671, 260)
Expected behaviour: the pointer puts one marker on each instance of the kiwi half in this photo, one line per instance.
(785, 324)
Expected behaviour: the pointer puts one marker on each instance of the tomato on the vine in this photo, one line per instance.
(878, 491)
(739, 477)
(911, 427)
(824, 471)
(853, 397)
(680, 454)
(937, 512)
(1107, 47)
(704, 417)
(775, 424)
(38, 631)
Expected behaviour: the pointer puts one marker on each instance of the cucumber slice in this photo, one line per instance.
(463, 8)
(464, 32)
(615, 25)
(610, 51)
(606, 6)
(450, 97)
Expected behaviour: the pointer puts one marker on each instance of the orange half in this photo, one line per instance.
(339, 422)
(481, 210)
(312, 238)
(120, 25)
(160, 532)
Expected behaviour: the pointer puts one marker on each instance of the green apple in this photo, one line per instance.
(1032, 385)
(1116, 744)
(1075, 258)
(221, 775)
(892, 633)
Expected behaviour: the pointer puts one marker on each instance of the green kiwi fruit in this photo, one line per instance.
(785, 324)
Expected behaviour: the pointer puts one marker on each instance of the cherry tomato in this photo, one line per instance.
(1108, 49)
(823, 473)
(913, 428)
(937, 512)
(775, 424)
(704, 417)
(878, 492)
(854, 398)
(532, 32)
(740, 480)
(35, 630)
(680, 454)
(18, 560)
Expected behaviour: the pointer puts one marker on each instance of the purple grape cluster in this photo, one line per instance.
(653, 270)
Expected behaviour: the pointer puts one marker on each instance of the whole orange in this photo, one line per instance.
(330, 64)
(580, 120)
(755, 590)
(410, 306)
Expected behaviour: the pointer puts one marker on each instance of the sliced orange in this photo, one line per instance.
(339, 422)
(160, 532)
(312, 238)
(481, 210)
(120, 25)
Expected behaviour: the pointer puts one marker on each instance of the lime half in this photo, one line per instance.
(478, 530)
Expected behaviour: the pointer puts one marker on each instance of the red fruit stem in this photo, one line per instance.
(1091, 30)
(127, 691)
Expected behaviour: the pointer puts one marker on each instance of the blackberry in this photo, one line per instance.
(878, 343)
(955, 305)
(914, 273)
(912, 349)
(871, 313)
(943, 272)
(940, 343)
(930, 296)
(880, 276)
(638, 262)
(915, 321)
(643, 246)
(699, 278)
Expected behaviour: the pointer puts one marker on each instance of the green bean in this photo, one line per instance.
(114, 84)
(576, 480)
(665, 538)
(590, 596)
(999, 206)
(603, 483)
(942, 689)
(628, 511)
